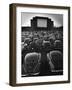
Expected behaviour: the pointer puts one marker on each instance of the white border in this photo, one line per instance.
(20, 79)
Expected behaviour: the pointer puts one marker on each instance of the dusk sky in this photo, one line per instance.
(26, 18)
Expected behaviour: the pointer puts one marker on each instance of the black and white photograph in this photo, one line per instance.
(41, 44)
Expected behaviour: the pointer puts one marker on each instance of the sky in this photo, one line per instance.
(26, 18)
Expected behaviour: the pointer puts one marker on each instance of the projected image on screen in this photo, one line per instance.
(41, 23)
